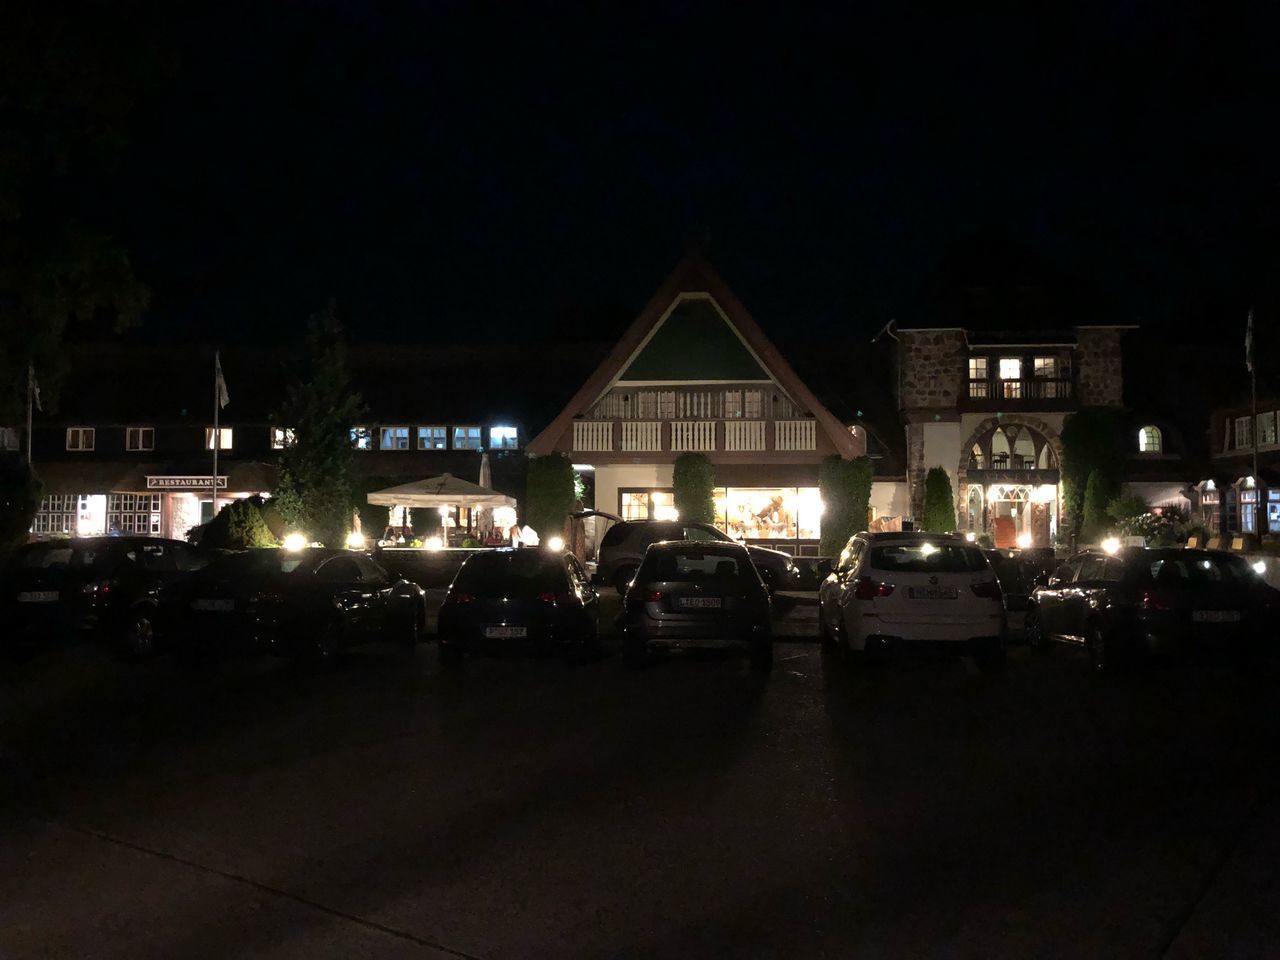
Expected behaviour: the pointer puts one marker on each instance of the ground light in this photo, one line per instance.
(1259, 567)
(355, 540)
(1111, 545)
(1024, 541)
(555, 544)
(434, 543)
(295, 542)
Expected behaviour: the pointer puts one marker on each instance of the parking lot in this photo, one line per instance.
(518, 808)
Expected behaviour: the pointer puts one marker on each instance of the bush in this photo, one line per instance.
(939, 502)
(19, 501)
(694, 480)
(238, 526)
(548, 496)
(986, 541)
(845, 489)
(1099, 492)
(1090, 442)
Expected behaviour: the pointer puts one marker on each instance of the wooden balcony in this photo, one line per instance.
(698, 436)
(1028, 393)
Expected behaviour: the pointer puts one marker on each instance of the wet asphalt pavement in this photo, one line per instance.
(529, 808)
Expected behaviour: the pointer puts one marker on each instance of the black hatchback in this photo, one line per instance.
(1157, 600)
(114, 584)
(697, 595)
(517, 601)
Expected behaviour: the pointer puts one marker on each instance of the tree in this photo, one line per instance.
(313, 491)
(549, 496)
(19, 501)
(1099, 492)
(694, 483)
(845, 489)
(939, 502)
(1090, 441)
(238, 526)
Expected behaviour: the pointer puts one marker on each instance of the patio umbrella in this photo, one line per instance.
(484, 520)
(445, 490)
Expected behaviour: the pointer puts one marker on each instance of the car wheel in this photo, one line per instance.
(449, 654)
(622, 579)
(140, 634)
(762, 655)
(1032, 631)
(417, 627)
(1101, 656)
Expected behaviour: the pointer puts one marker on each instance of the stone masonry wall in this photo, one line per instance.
(933, 368)
(1099, 375)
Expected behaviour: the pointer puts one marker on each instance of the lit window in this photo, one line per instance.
(1244, 437)
(1046, 366)
(1149, 440)
(362, 438)
(224, 438)
(466, 438)
(753, 404)
(8, 438)
(1267, 429)
(395, 438)
(433, 438)
(139, 438)
(733, 403)
(80, 438)
(1011, 377)
(667, 404)
(979, 370)
(503, 438)
(281, 437)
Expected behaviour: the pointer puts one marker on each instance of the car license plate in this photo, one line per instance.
(505, 633)
(213, 605)
(701, 603)
(38, 596)
(1215, 616)
(933, 593)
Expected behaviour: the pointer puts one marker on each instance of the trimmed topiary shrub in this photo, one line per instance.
(238, 526)
(1099, 492)
(694, 480)
(548, 497)
(845, 489)
(939, 502)
(19, 501)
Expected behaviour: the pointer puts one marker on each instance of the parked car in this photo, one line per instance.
(623, 547)
(315, 602)
(891, 588)
(110, 584)
(1151, 600)
(703, 594)
(517, 601)
(1017, 571)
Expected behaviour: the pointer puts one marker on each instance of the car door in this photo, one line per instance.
(386, 609)
(581, 583)
(1050, 598)
(838, 583)
(1077, 605)
(341, 584)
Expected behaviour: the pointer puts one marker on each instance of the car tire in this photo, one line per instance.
(1032, 632)
(138, 638)
(762, 655)
(449, 654)
(622, 579)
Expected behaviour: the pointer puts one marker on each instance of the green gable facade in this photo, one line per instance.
(694, 344)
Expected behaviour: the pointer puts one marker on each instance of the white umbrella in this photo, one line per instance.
(484, 519)
(445, 490)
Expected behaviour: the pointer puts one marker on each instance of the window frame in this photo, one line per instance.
(426, 431)
(1243, 425)
(131, 447)
(498, 441)
(458, 428)
(361, 437)
(385, 430)
(281, 437)
(226, 438)
(82, 434)
(1269, 438)
(1158, 435)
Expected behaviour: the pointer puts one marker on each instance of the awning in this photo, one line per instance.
(445, 490)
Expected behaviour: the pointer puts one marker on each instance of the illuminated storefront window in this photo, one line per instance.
(648, 505)
(769, 513)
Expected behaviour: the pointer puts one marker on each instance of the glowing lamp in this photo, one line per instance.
(434, 543)
(971, 537)
(555, 544)
(928, 549)
(1111, 545)
(1024, 541)
(355, 540)
(295, 542)
(1259, 567)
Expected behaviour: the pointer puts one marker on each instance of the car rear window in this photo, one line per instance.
(1198, 570)
(615, 535)
(687, 566)
(927, 558)
(520, 573)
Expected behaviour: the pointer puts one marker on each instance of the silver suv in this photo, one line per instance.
(624, 545)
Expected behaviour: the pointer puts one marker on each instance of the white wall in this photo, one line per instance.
(1157, 493)
(610, 479)
(891, 498)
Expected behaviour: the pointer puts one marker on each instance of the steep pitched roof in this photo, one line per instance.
(644, 353)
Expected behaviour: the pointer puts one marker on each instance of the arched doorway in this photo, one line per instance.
(1009, 480)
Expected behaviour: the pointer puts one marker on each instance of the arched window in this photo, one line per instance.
(1149, 440)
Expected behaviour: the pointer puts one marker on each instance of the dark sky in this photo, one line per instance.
(459, 171)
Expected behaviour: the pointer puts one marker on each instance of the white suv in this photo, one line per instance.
(894, 587)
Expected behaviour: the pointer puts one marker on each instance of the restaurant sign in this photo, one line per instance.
(184, 483)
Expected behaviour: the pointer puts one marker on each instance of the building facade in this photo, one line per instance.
(695, 373)
(1228, 498)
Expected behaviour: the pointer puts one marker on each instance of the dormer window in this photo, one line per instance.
(80, 438)
(1150, 440)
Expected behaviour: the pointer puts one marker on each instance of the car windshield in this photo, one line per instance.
(1198, 570)
(687, 566)
(522, 573)
(927, 557)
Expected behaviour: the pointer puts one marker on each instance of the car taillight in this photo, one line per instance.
(868, 589)
(560, 599)
(460, 598)
(1153, 600)
(97, 587)
(987, 589)
(652, 596)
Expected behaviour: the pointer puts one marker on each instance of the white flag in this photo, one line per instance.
(220, 383)
(1248, 342)
(35, 387)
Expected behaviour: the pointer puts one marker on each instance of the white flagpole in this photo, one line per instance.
(217, 436)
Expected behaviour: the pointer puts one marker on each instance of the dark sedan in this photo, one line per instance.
(697, 595)
(314, 602)
(113, 584)
(516, 601)
(1141, 601)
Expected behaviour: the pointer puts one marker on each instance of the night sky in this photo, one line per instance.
(458, 171)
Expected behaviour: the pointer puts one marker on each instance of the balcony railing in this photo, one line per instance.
(641, 435)
(1028, 388)
(744, 434)
(693, 435)
(795, 435)
(701, 436)
(593, 435)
